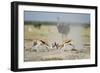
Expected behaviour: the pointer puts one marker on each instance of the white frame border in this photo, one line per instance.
(22, 64)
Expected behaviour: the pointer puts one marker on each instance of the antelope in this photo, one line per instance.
(40, 45)
(67, 45)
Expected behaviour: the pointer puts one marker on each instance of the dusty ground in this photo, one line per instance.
(50, 33)
(56, 55)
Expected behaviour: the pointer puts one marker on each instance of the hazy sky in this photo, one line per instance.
(52, 16)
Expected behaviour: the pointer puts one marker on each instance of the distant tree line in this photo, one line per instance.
(39, 22)
(86, 25)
